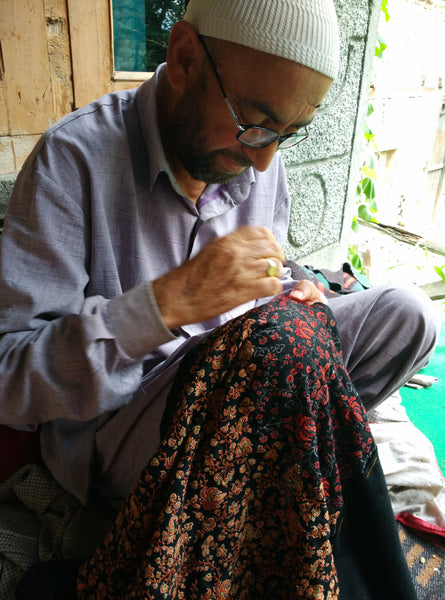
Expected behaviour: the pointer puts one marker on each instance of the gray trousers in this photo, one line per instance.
(387, 335)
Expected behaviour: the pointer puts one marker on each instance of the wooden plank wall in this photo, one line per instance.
(55, 56)
(91, 52)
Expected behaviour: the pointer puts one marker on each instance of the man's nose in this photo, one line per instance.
(261, 157)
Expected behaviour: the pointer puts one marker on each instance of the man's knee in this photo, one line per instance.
(409, 310)
(388, 317)
(388, 333)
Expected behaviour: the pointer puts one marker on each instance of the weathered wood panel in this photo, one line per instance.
(90, 34)
(4, 129)
(59, 56)
(7, 162)
(27, 80)
(22, 146)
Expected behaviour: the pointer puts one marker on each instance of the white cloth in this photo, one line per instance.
(415, 482)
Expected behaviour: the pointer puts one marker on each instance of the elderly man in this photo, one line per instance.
(148, 324)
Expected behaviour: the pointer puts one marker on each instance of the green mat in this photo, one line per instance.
(426, 407)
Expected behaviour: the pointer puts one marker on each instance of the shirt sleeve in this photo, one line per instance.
(65, 352)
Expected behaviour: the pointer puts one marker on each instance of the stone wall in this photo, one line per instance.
(6, 185)
(323, 170)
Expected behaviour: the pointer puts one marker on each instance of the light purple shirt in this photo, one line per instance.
(96, 215)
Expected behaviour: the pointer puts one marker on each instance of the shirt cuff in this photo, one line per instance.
(136, 322)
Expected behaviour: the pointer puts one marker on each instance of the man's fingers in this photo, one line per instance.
(253, 232)
(307, 293)
(242, 266)
(259, 242)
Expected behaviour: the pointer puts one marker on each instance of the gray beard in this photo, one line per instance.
(186, 128)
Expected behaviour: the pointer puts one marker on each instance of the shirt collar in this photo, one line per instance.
(235, 191)
(148, 114)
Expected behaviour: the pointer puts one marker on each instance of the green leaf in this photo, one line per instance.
(354, 225)
(385, 9)
(364, 213)
(370, 109)
(357, 263)
(368, 188)
(373, 206)
(368, 134)
(368, 172)
(440, 272)
(380, 46)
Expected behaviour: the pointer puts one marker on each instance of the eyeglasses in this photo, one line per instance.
(255, 136)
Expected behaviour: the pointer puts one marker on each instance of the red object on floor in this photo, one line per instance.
(418, 524)
(17, 448)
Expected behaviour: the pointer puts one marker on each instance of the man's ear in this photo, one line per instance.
(184, 55)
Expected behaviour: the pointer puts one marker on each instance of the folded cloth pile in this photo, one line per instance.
(415, 483)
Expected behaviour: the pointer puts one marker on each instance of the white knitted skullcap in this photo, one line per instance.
(305, 31)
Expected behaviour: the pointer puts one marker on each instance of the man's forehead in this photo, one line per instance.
(276, 87)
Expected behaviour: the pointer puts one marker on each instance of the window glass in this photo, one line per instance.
(140, 31)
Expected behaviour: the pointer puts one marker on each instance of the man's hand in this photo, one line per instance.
(307, 293)
(228, 272)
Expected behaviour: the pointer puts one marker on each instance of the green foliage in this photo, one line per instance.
(441, 272)
(380, 47)
(366, 187)
(160, 15)
(354, 258)
(365, 213)
(366, 193)
(141, 32)
(385, 9)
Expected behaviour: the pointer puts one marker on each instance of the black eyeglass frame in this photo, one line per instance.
(284, 141)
